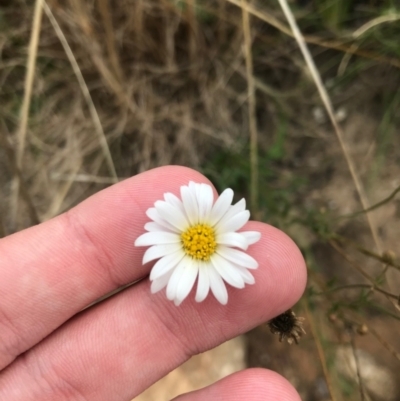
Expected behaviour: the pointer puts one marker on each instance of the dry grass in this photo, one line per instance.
(108, 89)
(142, 95)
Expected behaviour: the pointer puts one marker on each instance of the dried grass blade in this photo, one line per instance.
(85, 91)
(252, 109)
(26, 102)
(328, 106)
(105, 12)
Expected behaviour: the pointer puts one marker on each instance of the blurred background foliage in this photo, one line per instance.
(92, 92)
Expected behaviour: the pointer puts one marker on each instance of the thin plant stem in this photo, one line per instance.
(30, 74)
(329, 108)
(320, 351)
(384, 343)
(12, 162)
(193, 32)
(26, 102)
(376, 206)
(374, 22)
(339, 45)
(370, 287)
(360, 270)
(85, 91)
(2, 226)
(381, 258)
(252, 110)
(360, 384)
(105, 12)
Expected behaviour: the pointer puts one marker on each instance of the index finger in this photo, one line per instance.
(50, 272)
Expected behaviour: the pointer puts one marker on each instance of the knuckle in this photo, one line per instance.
(51, 383)
(91, 247)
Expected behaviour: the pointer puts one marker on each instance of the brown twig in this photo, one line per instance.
(320, 350)
(361, 270)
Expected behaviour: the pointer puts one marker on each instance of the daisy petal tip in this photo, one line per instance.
(153, 290)
(138, 241)
(257, 236)
(145, 260)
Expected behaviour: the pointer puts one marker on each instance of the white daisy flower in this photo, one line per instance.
(195, 238)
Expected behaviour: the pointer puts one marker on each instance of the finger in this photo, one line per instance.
(120, 347)
(51, 271)
(248, 385)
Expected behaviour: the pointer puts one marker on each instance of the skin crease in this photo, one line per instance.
(115, 350)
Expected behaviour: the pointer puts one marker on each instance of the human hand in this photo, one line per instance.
(49, 350)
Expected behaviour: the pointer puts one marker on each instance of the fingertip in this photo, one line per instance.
(248, 385)
(282, 275)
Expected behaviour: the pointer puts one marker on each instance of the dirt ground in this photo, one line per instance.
(331, 188)
(191, 106)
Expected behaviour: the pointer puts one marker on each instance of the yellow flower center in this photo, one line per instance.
(199, 241)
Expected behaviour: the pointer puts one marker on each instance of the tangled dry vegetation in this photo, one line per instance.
(118, 87)
(151, 85)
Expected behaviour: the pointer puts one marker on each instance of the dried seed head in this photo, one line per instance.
(287, 326)
(389, 256)
(362, 329)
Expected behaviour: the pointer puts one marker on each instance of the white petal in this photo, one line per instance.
(172, 215)
(232, 239)
(152, 226)
(153, 215)
(165, 264)
(233, 210)
(192, 187)
(157, 238)
(205, 201)
(173, 200)
(187, 280)
(175, 278)
(227, 271)
(234, 223)
(161, 282)
(251, 236)
(247, 276)
(236, 208)
(190, 205)
(221, 206)
(158, 251)
(203, 284)
(238, 257)
(217, 286)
